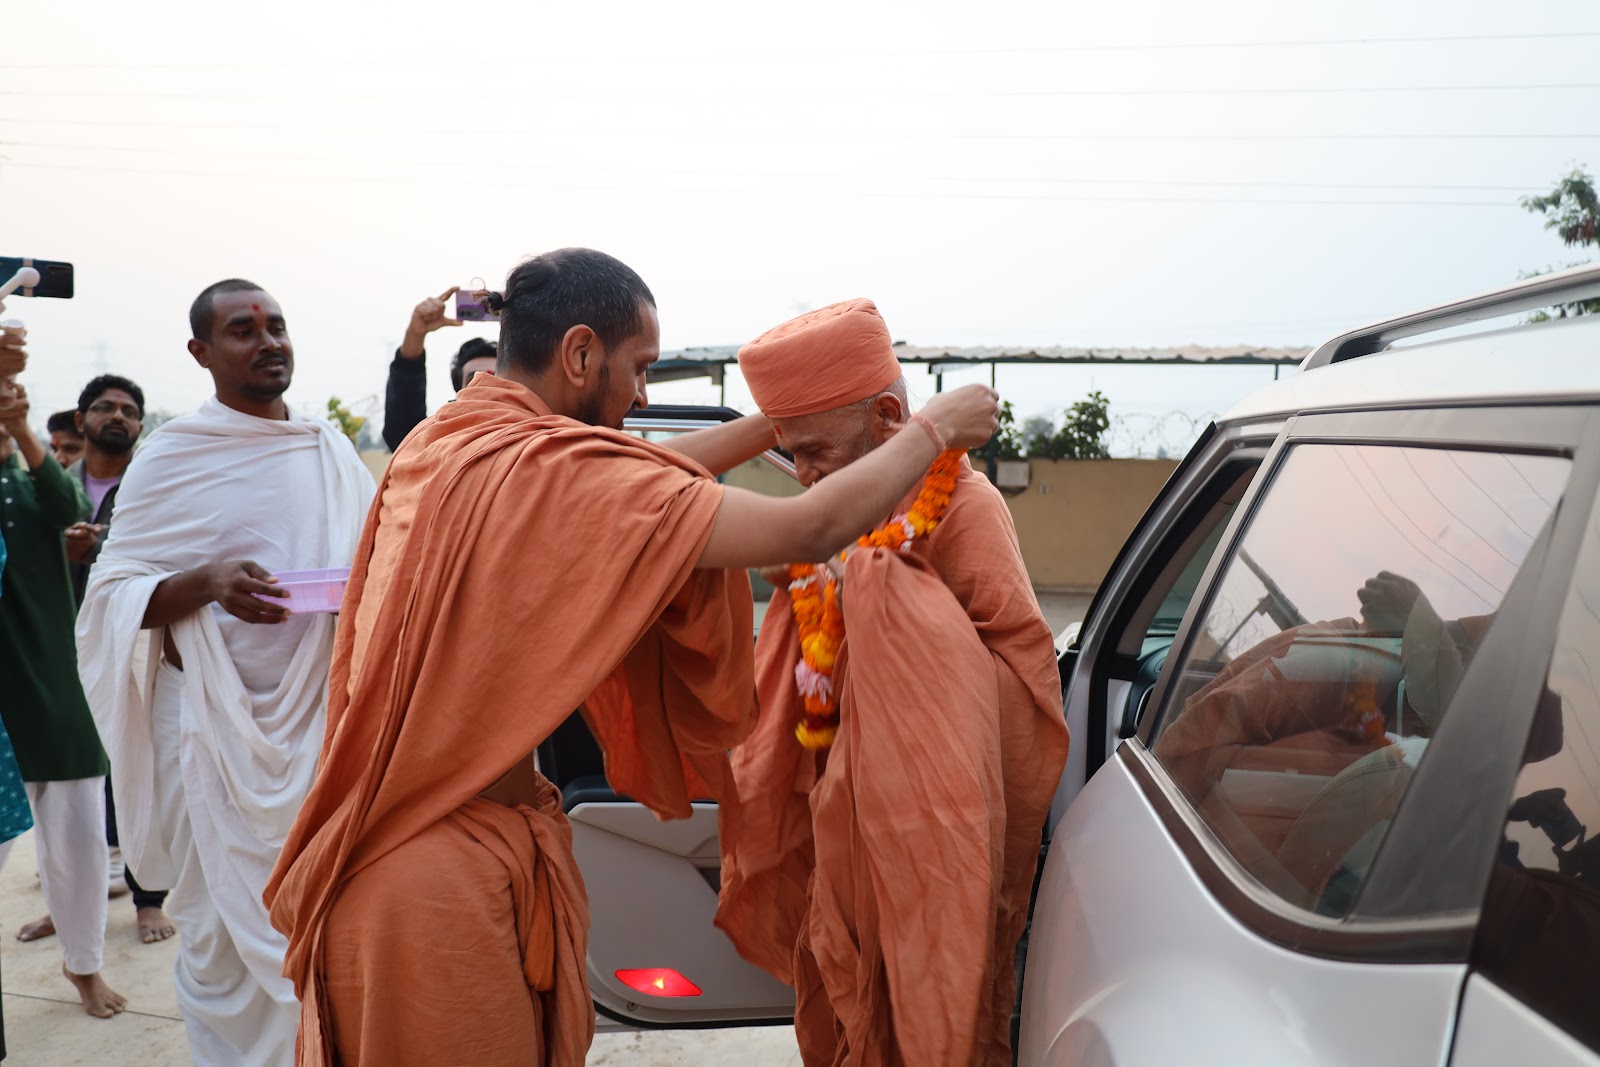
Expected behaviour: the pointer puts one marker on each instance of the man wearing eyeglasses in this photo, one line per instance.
(110, 417)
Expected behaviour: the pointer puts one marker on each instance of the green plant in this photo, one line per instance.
(347, 421)
(1082, 434)
(1572, 210)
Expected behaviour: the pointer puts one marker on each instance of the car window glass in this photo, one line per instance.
(1163, 602)
(1331, 646)
(1539, 934)
(1176, 601)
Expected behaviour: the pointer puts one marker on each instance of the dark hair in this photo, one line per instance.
(548, 295)
(105, 382)
(63, 421)
(201, 319)
(476, 348)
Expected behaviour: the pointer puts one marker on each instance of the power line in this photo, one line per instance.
(765, 56)
(856, 176)
(474, 183)
(654, 93)
(789, 135)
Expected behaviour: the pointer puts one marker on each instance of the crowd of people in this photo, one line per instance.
(272, 785)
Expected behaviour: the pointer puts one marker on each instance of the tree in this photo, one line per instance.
(1082, 434)
(345, 419)
(1006, 442)
(1572, 210)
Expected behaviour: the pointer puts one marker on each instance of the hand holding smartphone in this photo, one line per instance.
(55, 278)
(471, 306)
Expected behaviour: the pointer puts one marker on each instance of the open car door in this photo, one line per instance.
(655, 959)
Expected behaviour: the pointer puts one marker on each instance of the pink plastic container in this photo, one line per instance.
(311, 591)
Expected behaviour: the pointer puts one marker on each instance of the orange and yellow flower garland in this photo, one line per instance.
(814, 594)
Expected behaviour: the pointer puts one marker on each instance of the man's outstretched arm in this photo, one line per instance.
(752, 530)
(719, 449)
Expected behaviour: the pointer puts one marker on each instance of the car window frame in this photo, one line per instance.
(1144, 554)
(1175, 536)
(1431, 872)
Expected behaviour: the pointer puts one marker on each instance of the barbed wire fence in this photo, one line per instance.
(1147, 435)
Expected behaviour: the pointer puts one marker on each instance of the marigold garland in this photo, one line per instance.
(814, 596)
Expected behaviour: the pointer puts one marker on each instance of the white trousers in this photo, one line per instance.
(69, 838)
(237, 1008)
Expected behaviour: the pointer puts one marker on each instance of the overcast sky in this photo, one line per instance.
(1142, 173)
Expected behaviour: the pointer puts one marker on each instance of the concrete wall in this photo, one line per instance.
(1075, 515)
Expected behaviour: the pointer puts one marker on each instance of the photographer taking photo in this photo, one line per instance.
(405, 399)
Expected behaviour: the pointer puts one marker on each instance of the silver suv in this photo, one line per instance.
(1338, 708)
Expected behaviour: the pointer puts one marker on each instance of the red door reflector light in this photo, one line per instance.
(658, 982)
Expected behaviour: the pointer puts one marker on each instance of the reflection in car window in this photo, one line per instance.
(1332, 645)
(1539, 934)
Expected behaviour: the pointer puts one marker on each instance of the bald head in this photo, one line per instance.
(829, 440)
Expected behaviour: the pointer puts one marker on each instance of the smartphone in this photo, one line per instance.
(55, 279)
(470, 306)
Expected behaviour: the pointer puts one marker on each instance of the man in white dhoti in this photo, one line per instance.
(210, 698)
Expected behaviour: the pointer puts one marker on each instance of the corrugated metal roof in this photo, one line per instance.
(685, 362)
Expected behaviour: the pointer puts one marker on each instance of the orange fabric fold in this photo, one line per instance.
(821, 360)
(513, 961)
(888, 878)
(512, 561)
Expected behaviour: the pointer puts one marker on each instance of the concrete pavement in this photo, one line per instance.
(46, 1026)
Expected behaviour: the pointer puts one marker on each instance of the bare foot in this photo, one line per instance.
(154, 925)
(98, 998)
(37, 929)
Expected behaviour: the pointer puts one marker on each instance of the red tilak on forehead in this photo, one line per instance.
(255, 307)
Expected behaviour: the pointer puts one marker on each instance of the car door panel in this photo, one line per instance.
(1203, 943)
(652, 888)
(1161, 973)
(1497, 1029)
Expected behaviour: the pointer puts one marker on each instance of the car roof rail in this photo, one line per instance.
(1530, 294)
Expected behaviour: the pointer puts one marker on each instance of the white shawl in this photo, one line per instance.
(215, 486)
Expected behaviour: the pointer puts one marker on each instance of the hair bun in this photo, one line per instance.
(494, 301)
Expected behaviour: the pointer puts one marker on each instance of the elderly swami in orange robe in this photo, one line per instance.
(887, 875)
(524, 557)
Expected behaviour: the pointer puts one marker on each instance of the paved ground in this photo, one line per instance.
(1061, 609)
(45, 1027)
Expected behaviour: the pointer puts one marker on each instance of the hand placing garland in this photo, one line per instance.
(814, 596)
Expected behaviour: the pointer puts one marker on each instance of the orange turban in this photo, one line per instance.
(822, 360)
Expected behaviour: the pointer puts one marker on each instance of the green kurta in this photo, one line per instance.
(41, 701)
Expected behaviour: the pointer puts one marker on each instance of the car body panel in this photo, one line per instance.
(1149, 968)
(1496, 1030)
